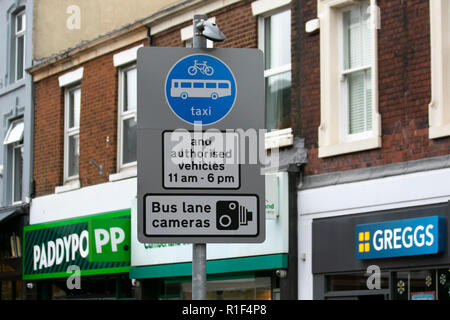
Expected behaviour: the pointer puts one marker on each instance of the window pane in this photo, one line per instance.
(355, 281)
(356, 102)
(74, 108)
(129, 141)
(19, 57)
(20, 22)
(443, 284)
(74, 155)
(366, 36)
(278, 103)
(359, 102)
(130, 90)
(422, 284)
(277, 39)
(15, 132)
(368, 75)
(17, 174)
(400, 285)
(357, 37)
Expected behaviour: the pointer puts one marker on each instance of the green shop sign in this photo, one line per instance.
(97, 244)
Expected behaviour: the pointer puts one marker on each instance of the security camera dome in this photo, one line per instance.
(211, 31)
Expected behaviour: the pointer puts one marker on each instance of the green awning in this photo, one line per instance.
(257, 263)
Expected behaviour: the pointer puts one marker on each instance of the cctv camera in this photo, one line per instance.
(281, 273)
(210, 31)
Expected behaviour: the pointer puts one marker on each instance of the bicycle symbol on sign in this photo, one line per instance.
(202, 67)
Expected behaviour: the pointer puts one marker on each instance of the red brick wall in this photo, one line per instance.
(48, 135)
(98, 126)
(236, 22)
(404, 94)
(404, 90)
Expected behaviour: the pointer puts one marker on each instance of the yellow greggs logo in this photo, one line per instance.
(364, 242)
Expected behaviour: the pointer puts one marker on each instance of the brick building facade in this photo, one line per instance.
(96, 72)
(99, 98)
(401, 176)
(400, 163)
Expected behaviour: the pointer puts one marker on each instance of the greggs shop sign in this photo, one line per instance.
(97, 244)
(410, 237)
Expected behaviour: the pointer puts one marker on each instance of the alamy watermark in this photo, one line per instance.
(374, 277)
(73, 22)
(74, 280)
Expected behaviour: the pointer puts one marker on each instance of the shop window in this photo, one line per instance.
(400, 285)
(93, 288)
(430, 284)
(443, 284)
(10, 290)
(350, 121)
(233, 289)
(348, 282)
(424, 284)
(10, 246)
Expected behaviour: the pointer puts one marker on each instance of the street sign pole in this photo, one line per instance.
(198, 249)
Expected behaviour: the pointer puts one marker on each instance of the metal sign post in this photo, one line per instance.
(198, 249)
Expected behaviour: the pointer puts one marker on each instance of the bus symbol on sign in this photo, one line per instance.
(185, 88)
(200, 88)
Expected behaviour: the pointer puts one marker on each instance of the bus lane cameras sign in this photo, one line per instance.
(196, 181)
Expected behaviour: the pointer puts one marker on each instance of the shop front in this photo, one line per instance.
(398, 254)
(12, 220)
(81, 258)
(234, 271)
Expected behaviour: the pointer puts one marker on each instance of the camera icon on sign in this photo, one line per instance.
(230, 215)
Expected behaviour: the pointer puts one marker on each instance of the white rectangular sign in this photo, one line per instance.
(201, 160)
(200, 146)
(175, 215)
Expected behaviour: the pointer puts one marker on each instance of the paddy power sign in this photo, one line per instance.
(98, 244)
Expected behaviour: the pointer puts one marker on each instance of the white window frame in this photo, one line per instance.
(344, 73)
(17, 35)
(332, 132)
(281, 137)
(122, 116)
(261, 37)
(15, 146)
(8, 139)
(69, 132)
(439, 107)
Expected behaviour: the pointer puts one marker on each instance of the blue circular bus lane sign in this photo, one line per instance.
(200, 88)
